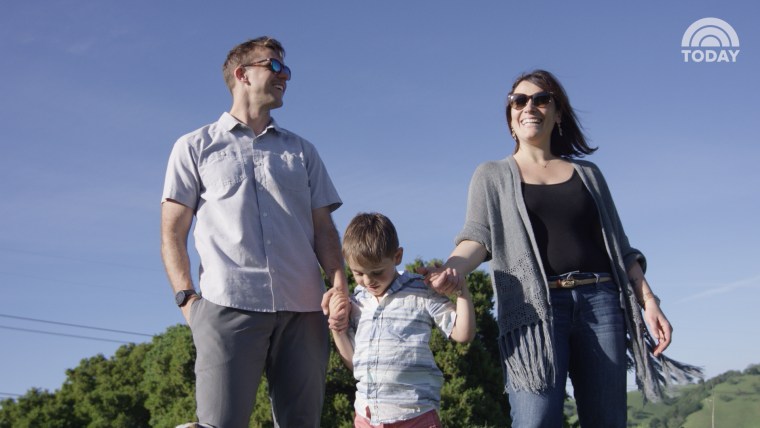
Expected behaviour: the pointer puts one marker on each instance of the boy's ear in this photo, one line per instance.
(398, 256)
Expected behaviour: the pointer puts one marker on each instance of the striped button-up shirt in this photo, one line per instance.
(398, 378)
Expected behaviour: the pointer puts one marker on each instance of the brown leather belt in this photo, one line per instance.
(571, 282)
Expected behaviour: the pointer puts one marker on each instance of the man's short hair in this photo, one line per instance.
(369, 238)
(241, 54)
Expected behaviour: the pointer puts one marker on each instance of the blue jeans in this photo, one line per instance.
(589, 345)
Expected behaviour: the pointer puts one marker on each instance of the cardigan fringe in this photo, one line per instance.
(528, 363)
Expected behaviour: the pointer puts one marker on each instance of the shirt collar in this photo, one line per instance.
(401, 281)
(228, 123)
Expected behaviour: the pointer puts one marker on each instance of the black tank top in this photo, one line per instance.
(566, 225)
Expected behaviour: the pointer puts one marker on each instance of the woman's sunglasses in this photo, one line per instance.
(273, 64)
(519, 101)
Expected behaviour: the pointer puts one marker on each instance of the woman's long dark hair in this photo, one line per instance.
(572, 142)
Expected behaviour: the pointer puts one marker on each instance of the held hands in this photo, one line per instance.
(658, 324)
(336, 306)
(443, 280)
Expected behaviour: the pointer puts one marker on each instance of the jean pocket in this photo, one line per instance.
(609, 287)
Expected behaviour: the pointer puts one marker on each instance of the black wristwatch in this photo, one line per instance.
(182, 295)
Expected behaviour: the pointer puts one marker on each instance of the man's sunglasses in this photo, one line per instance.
(273, 64)
(519, 101)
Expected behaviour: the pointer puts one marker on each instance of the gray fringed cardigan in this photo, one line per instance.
(497, 218)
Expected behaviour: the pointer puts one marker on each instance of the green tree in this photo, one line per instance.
(105, 392)
(753, 369)
(100, 392)
(473, 389)
(262, 411)
(169, 380)
(36, 408)
(340, 389)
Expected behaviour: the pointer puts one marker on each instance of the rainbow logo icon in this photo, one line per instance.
(710, 40)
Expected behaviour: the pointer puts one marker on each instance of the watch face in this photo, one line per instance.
(181, 297)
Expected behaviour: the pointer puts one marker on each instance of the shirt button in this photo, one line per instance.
(264, 214)
(269, 242)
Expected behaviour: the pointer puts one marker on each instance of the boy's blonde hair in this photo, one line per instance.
(369, 238)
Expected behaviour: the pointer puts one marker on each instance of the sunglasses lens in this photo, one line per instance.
(279, 67)
(518, 101)
(542, 99)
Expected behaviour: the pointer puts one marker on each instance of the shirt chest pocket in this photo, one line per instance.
(287, 171)
(406, 321)
(223, 169)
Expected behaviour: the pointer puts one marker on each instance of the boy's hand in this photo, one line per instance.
(338, 309)
(444, 281)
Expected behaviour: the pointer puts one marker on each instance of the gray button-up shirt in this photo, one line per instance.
(253, 198)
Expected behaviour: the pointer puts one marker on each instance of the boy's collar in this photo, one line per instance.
(402, 279)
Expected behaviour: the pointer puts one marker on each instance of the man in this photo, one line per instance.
(262, 200)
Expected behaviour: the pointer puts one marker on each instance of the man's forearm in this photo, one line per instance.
(177, 264)
(175, 226)
(328, 250)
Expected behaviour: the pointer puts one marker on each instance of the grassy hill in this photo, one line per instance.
(736, 404)
(735, 396)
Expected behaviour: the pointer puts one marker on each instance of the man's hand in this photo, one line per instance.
(186, 308)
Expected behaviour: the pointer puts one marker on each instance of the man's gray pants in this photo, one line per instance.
(234, 347)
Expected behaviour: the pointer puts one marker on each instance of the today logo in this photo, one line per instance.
(710, 40)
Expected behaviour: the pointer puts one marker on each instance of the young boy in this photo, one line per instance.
(387, 342)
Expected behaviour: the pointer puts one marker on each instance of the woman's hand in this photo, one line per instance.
(448, 279)
(658, 324)
(444, 280)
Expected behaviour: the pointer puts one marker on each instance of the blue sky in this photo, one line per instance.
(403, 101)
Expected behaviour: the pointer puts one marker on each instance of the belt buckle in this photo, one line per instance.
(567, 283)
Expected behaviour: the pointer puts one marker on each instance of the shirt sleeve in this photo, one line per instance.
(353, 321)
(323, 192)
(443, 311)
(182, 182)
(356, 313)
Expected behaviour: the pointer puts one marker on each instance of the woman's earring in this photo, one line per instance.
(514, 135)
(559, 128)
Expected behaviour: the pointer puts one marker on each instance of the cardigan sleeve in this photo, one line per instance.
(479, 199)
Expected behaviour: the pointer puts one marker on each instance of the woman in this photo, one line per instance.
(570, 290)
